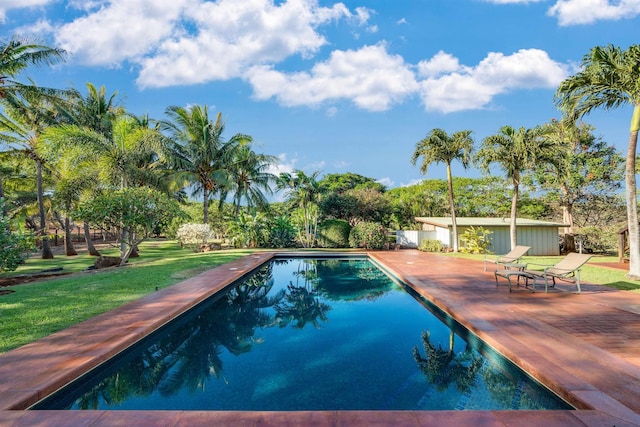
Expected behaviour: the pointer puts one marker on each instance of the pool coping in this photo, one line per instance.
(33, 371)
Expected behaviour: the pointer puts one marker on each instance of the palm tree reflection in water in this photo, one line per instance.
(442, 367)
(188, 357)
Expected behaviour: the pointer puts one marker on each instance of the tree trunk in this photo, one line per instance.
(632, 203)
(87, 237)
(567, 209)
(453, 209)
(514, 210)
(205, 206)
(46, 248)
(68, 242)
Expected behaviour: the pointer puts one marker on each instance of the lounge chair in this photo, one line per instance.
(512, 257)
(567, 269)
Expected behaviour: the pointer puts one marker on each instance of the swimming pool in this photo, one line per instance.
(309, 334)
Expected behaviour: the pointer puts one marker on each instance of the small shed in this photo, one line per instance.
(542, 236)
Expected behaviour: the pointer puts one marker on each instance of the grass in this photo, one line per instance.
(615, 278)
(38, 309)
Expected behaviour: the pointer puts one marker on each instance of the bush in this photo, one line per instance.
(430, 245)
(475, 240)
(333, 233)
(14, 247)
(281, 233)
(195, 236)
(368, 235)
(599, 239)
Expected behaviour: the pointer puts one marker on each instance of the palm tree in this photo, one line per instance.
(439, 147)
(22, 124)
(249, 178)
(18, 54)
(303, 191)
(201, 155)
(610, 77)
(516, 151)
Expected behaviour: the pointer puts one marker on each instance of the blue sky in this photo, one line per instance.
(329, 86)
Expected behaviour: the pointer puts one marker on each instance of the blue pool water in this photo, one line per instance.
(309, 334)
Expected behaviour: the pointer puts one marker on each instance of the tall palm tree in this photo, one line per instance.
(610, 77)
(122, 150)
(516, 151)
(22, 124)
(439, 147)
(303, 191)
(201, 154)
(249, 178)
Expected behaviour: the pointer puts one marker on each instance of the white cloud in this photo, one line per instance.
(474, 87)
(122, 30)
(386, 181)
(234, 35)
(441, 63)
(572, 12)
(369, 77)
(7, 5)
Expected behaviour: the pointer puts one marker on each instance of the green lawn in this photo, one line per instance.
(38, 309)
(614, 278)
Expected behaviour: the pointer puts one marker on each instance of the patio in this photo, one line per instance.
(584, 347)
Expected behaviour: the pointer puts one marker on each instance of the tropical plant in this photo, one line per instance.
(610, 78)
(14, 247)
(439, 147)
(200, 154)
(516, 151)
(249, 178)
(476, 240)
(303, 192)
(22, 124)
(248, 230)
(282, 234)
(15, 56)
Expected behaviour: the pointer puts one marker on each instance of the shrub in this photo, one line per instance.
(599, 239)
(333, 233)
(194, 235)
(475, 240)
(14, 247)
(368, 235)
(430, 245)
(282, 234)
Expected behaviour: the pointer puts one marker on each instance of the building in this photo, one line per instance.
(542, 236)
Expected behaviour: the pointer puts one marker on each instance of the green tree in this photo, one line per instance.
(342, 182)
(516, 152)
(588, 167)
(440, 147)
(22, 124)
(249, 178)
(14, 247)
(16, 55)
(200, 153)
(609, 78)
(139, 211)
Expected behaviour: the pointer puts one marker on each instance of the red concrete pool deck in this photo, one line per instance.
(584, 347)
